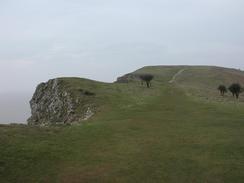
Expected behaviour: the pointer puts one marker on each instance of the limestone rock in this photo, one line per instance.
(54, 103)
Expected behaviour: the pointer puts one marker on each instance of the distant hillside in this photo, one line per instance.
(68, 100)
(201, 81)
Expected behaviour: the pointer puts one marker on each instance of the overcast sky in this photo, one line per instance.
(102, 39)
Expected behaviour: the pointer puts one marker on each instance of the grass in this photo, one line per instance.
(203, 81)
(139, 135)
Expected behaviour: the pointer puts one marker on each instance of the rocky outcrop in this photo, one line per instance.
(54, 103)
(128, 78)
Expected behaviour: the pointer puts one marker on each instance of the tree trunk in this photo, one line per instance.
(237, 95)
(148, 84)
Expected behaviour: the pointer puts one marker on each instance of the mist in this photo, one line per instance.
(102, 40)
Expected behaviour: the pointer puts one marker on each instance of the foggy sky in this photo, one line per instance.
(102, 39)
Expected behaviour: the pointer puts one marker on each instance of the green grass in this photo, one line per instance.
(203, 81)
(138, 135)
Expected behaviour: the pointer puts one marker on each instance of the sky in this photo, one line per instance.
(103, 39)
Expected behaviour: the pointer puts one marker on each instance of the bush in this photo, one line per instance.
(147, 78)
(222, 89)
(235, 89)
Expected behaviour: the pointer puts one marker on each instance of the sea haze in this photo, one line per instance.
(14, 107)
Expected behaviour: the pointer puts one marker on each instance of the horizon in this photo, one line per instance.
(102, 40)
(115, 78)
(42, 39)
(15, 107)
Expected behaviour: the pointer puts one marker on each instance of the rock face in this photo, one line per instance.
(54, 103)
(127, 78)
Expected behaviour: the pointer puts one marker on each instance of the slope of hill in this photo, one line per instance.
(199, 81)
(159, 134)
(67, 100)
(203, 81)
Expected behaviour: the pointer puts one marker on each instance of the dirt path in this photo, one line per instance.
(176, 75)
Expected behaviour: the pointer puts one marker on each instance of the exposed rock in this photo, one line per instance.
(54, 103)
(89, 113)
(127, 78)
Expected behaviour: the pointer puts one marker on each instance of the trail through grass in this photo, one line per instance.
(141, 135)
(176, 75)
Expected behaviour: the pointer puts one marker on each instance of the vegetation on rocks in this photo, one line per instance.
(55, 102)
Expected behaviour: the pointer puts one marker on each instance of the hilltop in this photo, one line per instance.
(200, 81)
(167, 133)
(68, 100)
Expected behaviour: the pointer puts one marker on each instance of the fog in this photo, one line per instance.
(14, 107)
(101, 40)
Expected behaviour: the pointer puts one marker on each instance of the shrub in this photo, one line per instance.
(222, 89)
(235, 89)
(147, 78)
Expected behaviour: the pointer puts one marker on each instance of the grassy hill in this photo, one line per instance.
(200, 81)
(161, 134)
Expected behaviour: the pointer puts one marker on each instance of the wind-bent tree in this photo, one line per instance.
(235, 89)
(147, 78)
(222, 89)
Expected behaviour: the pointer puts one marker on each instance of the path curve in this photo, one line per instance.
(176, 75)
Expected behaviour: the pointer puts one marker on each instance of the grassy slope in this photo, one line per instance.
(203, 81)
(141, 135)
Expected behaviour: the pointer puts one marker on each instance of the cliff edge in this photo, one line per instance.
(55, 102)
